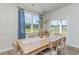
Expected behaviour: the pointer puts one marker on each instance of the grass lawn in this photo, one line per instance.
(56, 30)
(52, 30)
(29, 30)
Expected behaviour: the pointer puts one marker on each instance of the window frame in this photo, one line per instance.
(31, 29)
(59, 26)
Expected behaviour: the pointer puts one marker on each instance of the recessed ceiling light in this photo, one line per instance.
(32, 4)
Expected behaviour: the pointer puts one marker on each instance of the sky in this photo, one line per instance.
(29, 17)
(54, 22)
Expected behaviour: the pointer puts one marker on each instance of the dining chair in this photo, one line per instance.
(15, 47)
(61, 46)
(53, 46)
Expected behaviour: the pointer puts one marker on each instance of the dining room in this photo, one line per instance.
(39, 29)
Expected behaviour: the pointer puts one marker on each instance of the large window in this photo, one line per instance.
(64, 27)
(58, 26)
(54, 27)
(32, 23)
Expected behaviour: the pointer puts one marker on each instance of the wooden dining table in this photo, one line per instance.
(34, 47)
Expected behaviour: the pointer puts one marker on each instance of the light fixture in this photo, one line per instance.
(32, 4)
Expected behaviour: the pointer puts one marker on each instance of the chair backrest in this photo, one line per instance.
(62, 42)
(54, 44)
(15, 46)
(64, 39)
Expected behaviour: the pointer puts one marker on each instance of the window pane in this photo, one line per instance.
(64, 27)
(36, 23)
(53, 27)
(28, 21)
(59, 26)
(32, 22)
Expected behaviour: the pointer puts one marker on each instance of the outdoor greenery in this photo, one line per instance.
(35, 26)
(34, 29)
(55, 29)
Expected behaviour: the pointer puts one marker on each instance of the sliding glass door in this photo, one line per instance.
(54, 27)
(64, 27)
(58, 27)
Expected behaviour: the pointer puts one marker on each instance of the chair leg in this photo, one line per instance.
(51, 51)
(56, 51)
(63, 52)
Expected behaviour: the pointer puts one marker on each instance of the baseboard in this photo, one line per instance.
(73, 48)
(6, 51)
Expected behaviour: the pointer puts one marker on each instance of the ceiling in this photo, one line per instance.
(42, 8)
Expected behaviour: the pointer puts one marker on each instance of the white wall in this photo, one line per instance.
(8, 25)
(71, 13)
